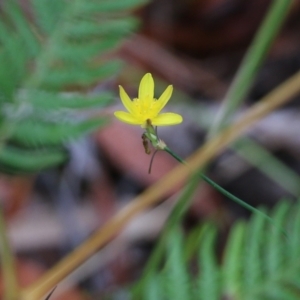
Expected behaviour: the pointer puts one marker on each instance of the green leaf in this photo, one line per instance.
(252, 259)
(153, 289)
(86, 29)
(40, 99)
(294, 230)
(259, 262)
(81, 36)
(49, 13)
(177, 280)
(61, 45)
(20, 23)
(275, 242)
(232, 267)
(34, 133)
(64, 77)
(209, 284)
(107, 5)
(15, 160)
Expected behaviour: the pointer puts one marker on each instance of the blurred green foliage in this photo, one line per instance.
(51, 54)
(258, 262)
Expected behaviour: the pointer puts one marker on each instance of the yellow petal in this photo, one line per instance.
(164, 98)
(167, 119)
(126, 100)
(146, 88)
(127, 118)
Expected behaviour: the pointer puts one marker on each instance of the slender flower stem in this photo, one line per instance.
(178, 158)
(225, 192)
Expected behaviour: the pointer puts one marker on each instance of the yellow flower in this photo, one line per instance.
(146, 107)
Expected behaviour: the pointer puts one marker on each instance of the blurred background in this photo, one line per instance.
(197, 46)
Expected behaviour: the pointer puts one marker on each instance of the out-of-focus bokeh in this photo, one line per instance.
(197, 46)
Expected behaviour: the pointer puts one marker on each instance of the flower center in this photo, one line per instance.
(145, 108)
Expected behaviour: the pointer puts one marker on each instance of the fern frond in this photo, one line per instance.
(34, 133)
(232, 267)
(18, 44)
(83, 52)
(107, 5)
(17, 161)
(62, 44)
(208, 285)
(12, 67)
(85, 30)
(49, 101)
(79, 75)
(153, 289)
(252, 259)
(177, 279)
(20, 26)
(259, 261)
(294, 240)
(49, 14)
(274, 255)
(8, 77)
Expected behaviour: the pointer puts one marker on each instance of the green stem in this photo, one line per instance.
(251, 62)
(11, 289)
(178, 158)
(226, 193)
